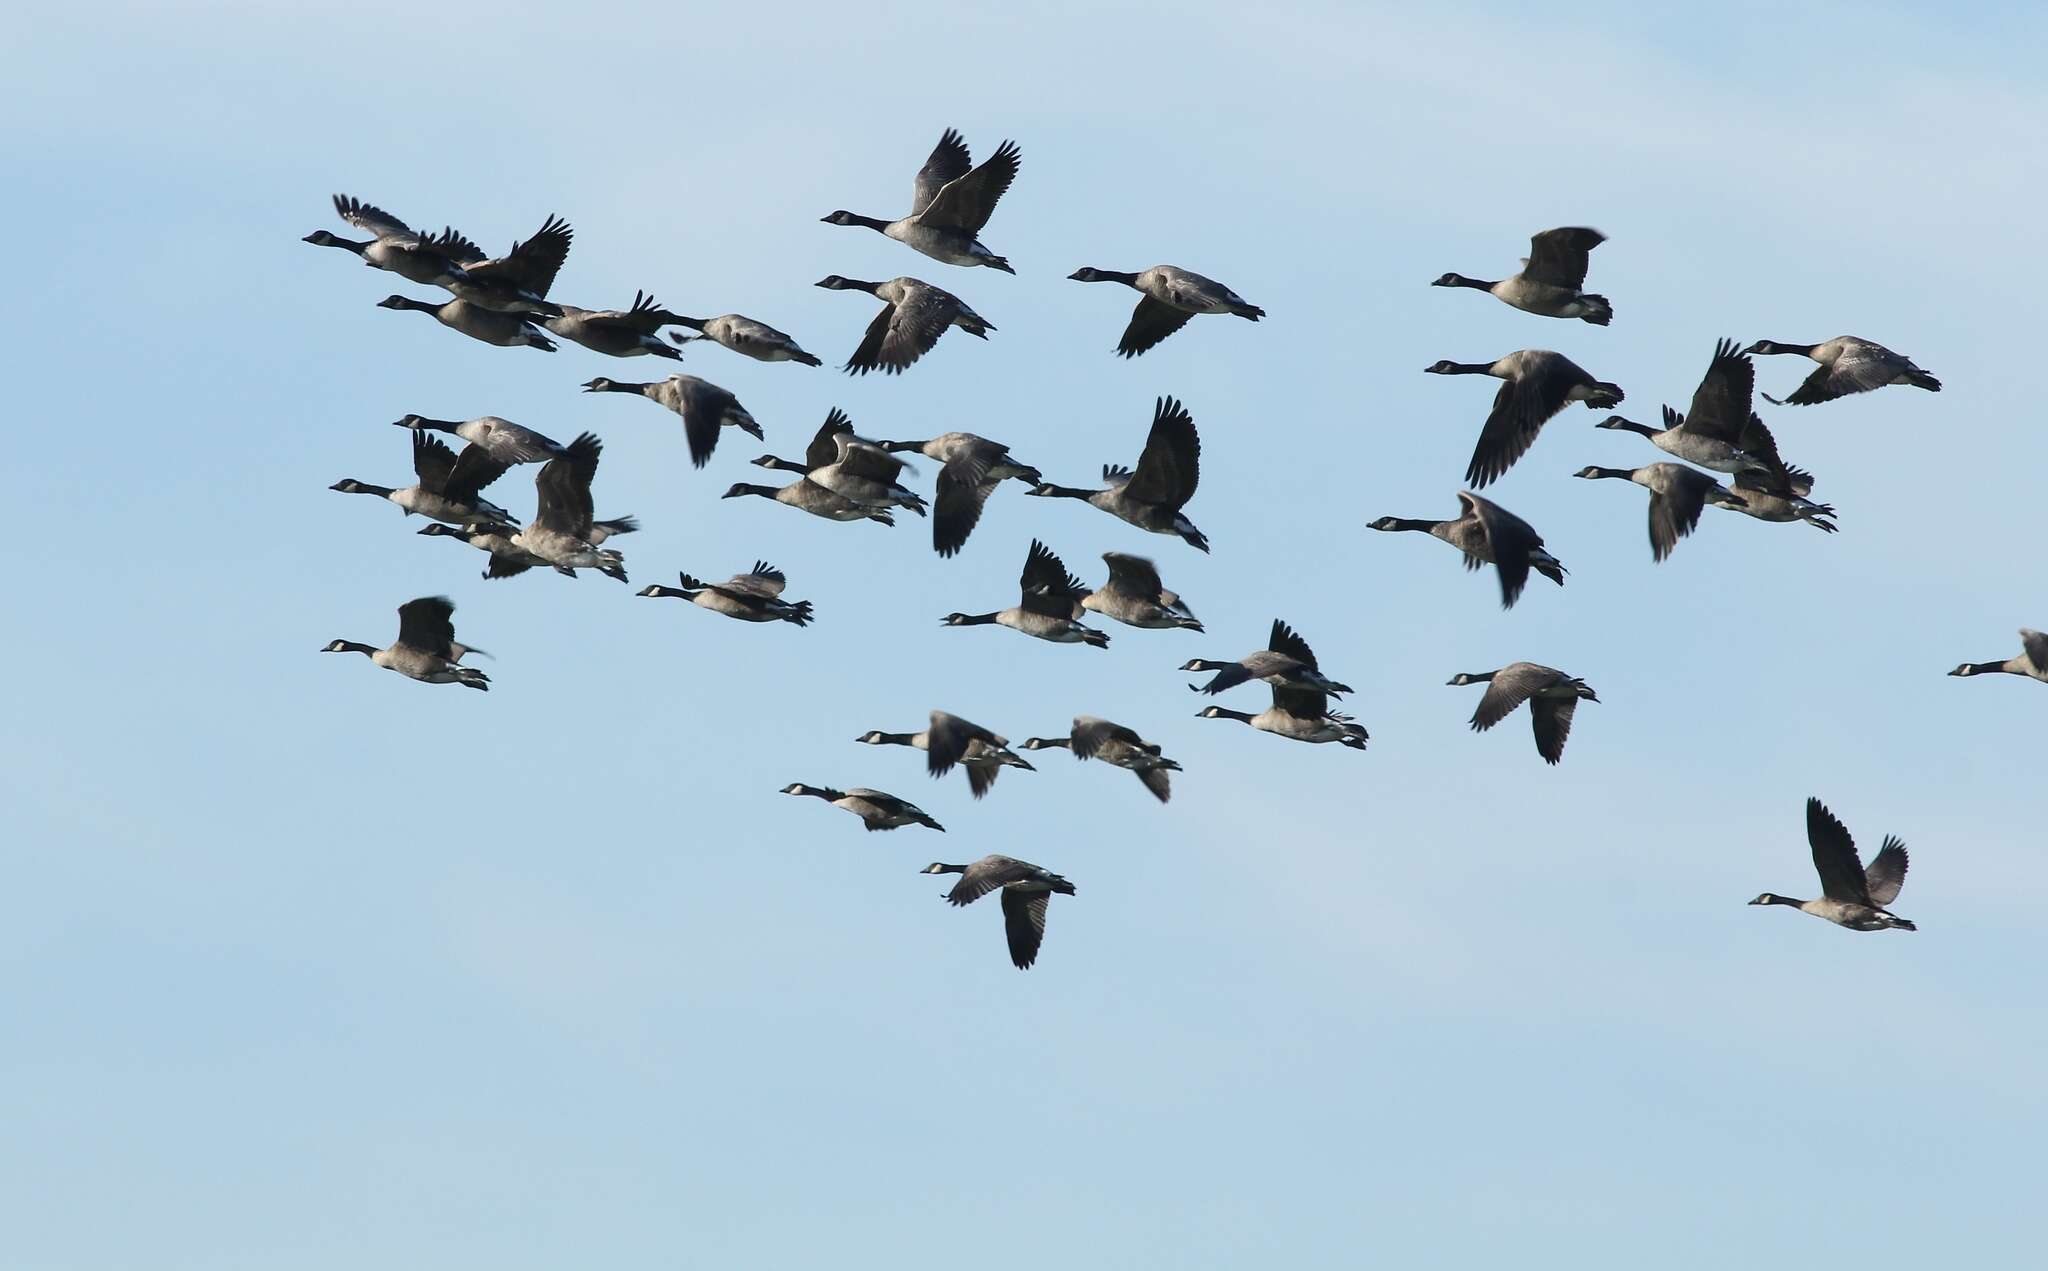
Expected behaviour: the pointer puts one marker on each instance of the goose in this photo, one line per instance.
(1169, 298)
(950, 740)
(518, 281)
(705, 407)
(950, 202)
(1552, 696)
(501, 439)
(1298, 715)
(1774, 493)
(755, 596)
(1152, 496)
(1285, 662)
(877, 811)
(2031, 662)
(393, 245)
(917, 314)
(1052, 600)
(1847, 365)
(1135, 597)
(1719, 431)
(1538, 384)
(508, 561)
(506, 330)
(972, 469)
(808, 496)
(1677, 495)
(425, 649)
(757, 340)
(449, 487)
(1489, 534)
(562, 524)
(1093, 738)
(1851, 896)
(1552, 274)
(850, 466)
(618, 332)
(1027, 889)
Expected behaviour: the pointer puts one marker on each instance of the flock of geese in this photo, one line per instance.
(845, 476)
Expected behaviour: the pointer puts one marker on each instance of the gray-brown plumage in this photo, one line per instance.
(1488, 534)
(1093, 738)
(915, 315)
(1552, 696)
(1851, 896)
(1677, 496)
(1026, 890)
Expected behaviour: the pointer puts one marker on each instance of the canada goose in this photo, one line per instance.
(807, 495)
(1489, 534)
(917, 314)
(1851, 896)
(1052, 599)
(850, 466)
(425, 649)
(449, 486)
(704, 406)
(1719, 431)
(1298, 715)
(562, 524)
(507, 330)
(1847, 365)
(501, 439)
(950, 740)
(393, 244)
(518, 281)
(508, 561)
(755, 596)
(1774, 493)
(1552, 696)
(949, 204)
(1538, 384)
(757, 340)
(1285, 662)
(1094, 738)
(1135, 597)
(877, 811)
(1170, 297)
(1151, 497)
(972, 468)
(1027, 889)
(1552, 274)
(1677, 495)
(2032, 661)
(618, 332)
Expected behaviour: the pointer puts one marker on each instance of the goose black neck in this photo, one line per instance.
(869, 221)
(1224, 712)
(1460, 280)
(1468, 368)
(895, 739)
(347, 244)
(974, 619)
(1620, 474)
(1065, 492)
(1630, 425)
(1114, 275)
(364, 487)
(351, 646)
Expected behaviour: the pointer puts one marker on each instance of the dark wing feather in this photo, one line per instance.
(1511, 540)
(1287, 641)
(1091, 736)
(1158, 782)
(427, 624)
(949, 162)
(903, 333)
(1151, 322)
(505, 567)
(1048, 589)
(1134, 575)
(1171, 464)
(966, 203)
(1834, 856)
(564, 488)
(1509, 688)
(432, 460)
(1887, 872)
(1552, 719)
(1024, 922)
(475, 468)
(824, 447)
(957, 510)
(1302, 703)
(1674, 512)
(372, 219)
(1520, 409)
(704, 408)
(1558, 256)
(946, 740)
(533, 264)
(1720, 405)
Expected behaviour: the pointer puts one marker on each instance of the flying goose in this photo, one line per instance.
(1538, 384)
(425, 649)
(755, 596)
(501, 439)
(1552, 274)
(756, 340)
(508, 561)
(393, 245)
(949, 204)
(950, 740)
(1677, 495)
(877, 811)
(850, 466)
(1719, 431)
(1489, 534)
(808, 496)
(1170, 297)
(618, 332)
(449, 487)
(507, 330)
(1152, 496)
(1851, 896)
(704, 406)
(1298, 715)
(1052, 601)
(917, 314)
(1552, 696)
(2031, 662)
(1285, 662)
(518, 281)
(1093, 738)
(972, 468)
(1027, 889)
(1135, 597)
(1774, 493)
(1847, 365)
(562, 524)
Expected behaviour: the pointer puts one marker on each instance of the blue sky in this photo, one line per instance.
(311, 966)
